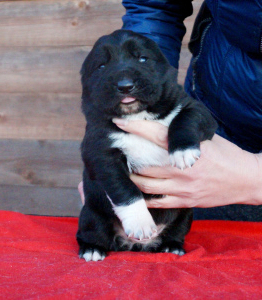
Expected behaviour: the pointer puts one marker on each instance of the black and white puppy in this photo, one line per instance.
(127, 76)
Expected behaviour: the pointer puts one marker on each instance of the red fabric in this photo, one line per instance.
(39, 261)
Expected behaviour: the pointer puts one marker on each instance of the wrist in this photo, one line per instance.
(255, 170)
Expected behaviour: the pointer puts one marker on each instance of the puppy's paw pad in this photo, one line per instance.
(93, 255)
(184, 158)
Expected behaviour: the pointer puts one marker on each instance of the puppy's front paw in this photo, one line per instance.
(184, 158)
(142, 228)
(137, 220)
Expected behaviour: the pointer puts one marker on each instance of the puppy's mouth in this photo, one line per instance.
(128, 100)
(129, 105)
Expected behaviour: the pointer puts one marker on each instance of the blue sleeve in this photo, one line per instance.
(161, 21)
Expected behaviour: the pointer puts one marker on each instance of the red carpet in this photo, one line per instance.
(39, 261)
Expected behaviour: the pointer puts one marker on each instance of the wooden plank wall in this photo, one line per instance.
(42, 46)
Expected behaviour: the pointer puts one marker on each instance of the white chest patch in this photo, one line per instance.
(141, 153)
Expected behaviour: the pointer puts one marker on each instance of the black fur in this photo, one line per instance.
(125, 64)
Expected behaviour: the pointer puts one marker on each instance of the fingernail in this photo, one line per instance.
(120, 122)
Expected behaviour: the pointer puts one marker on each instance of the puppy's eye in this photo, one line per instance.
(142, 59)
(101, 67)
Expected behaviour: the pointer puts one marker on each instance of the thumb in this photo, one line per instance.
(150, 130)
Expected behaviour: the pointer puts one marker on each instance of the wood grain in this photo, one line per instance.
(41, 116)
(41, 70)
(39, 200)
(64, 23)
(57, 23)
(40, 163)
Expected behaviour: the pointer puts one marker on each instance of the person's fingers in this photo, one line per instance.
(169, 202)
(175, 202)
(157, 185)
(150, 130)
(167, 172)
(149, 185)
(81, 192)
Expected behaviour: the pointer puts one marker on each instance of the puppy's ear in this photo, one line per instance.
(91, 60)
(84, 68)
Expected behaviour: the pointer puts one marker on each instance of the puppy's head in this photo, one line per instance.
(125, 73)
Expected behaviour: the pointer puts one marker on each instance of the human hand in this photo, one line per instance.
(224, 174)
(81, 192)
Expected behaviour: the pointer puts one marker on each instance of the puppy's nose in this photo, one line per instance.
(125, 86)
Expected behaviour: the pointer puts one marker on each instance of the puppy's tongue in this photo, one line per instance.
(128, 100)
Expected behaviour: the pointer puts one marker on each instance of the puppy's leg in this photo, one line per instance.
(191, 126)
(126, 199)
(90, 252)
(94, 236)
(95, 230)
(173, 237)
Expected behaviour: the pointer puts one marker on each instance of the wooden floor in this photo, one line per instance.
(42, 46)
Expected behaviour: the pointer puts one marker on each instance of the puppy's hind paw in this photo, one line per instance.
(184, 158)
(93, 254)
(173, 247)
(177, 251)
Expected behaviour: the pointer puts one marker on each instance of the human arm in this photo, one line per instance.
(224, 174)
(161, 21)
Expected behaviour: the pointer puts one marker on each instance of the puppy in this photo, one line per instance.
(127, 76)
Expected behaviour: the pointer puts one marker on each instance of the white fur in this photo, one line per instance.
(136, 220)
(93, 256)
(184, 158)
(168, 119)
(110, 200)
(143, 115)
(140, 152)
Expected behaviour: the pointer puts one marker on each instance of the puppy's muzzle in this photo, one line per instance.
(125, 86)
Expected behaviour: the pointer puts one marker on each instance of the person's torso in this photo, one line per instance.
(226, 69)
